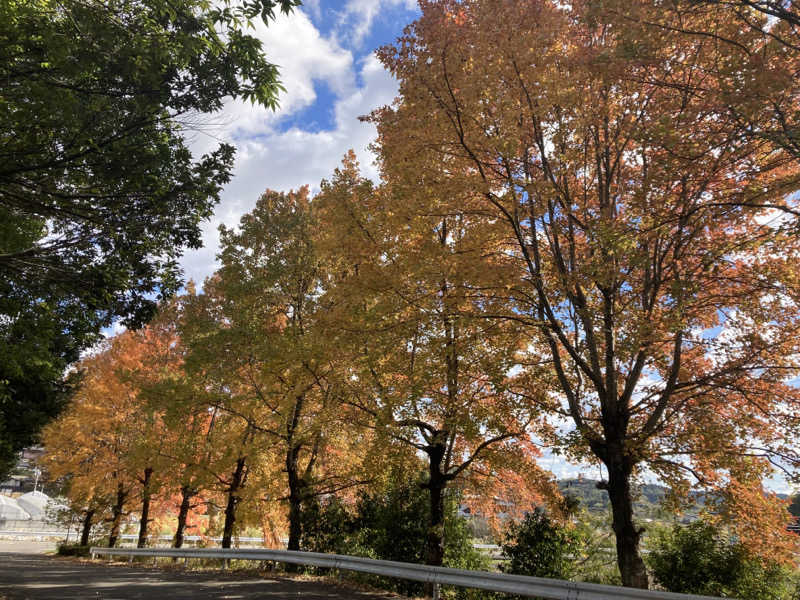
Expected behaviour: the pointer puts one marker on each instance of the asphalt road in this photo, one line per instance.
(25, 574)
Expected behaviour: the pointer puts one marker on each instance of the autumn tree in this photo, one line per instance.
(92, 441)
(424, 371)
(192, 454)
(189, 448)
(752, 77)
(83, 492)
(648, 271)
(120, 436)
(256, 336)
(153, 356)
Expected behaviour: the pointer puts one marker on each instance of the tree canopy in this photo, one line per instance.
(99, 192)
(752, 80)
(423, 370)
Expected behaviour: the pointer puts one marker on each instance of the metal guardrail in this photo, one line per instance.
(128, 536)
(492, 550)
(34, 535)
(555, 589)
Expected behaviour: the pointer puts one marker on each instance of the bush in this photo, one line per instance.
(698, 559)
(539, 547)
(72, 550)
(391, 524)
(327, 526)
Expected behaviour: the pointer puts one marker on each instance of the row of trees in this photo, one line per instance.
(336, 342)
(633, 164)
(584, 237)
(292, 377)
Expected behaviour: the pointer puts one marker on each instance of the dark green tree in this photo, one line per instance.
(390, 523)
(794, 507)
(327, 526)
(99, 193)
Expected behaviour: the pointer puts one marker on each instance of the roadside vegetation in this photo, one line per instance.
(583, 238)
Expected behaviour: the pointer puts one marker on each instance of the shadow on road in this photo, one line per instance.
(37, 577)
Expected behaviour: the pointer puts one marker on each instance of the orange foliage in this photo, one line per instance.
(634, 219)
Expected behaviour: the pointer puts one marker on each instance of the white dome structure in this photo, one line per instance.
(11, 510)
(36, 504)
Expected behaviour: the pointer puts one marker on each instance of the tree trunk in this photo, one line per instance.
(116, 515)
(434, 540)
(233, 501)
(434, 548)
(142, 541)
(631, 565)
(296, 492)
(187, 494)
(87, 527)
(294, 480)
(295, 523)
(434, 543)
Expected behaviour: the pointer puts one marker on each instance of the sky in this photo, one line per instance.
(325, 52)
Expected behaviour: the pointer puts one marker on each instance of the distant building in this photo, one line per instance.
(14, 485)
(24, 476)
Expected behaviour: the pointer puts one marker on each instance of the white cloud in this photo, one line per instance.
(268, 157)
(305, 58)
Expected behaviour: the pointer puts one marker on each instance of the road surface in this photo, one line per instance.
(25, 573)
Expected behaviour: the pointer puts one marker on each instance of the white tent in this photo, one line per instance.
(36, 504)
(11, 510)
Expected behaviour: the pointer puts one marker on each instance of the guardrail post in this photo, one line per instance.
(225, 564)
(435, 591)
(130, 559)
(155, 559)
(185, 562)
(92, 555)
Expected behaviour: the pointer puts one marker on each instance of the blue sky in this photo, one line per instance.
(325, 51)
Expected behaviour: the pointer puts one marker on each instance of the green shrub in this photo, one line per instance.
(459, 553)
(698, 559)
(391, 524)
(72, 550)
(327, 526)
(539, 547)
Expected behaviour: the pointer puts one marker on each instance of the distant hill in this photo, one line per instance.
(647, 503)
